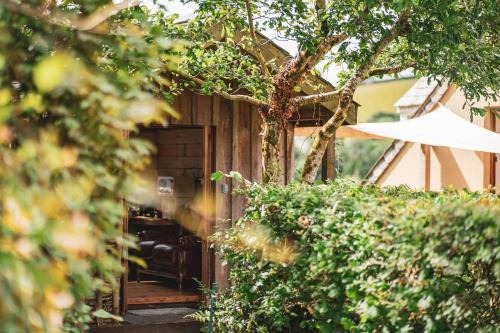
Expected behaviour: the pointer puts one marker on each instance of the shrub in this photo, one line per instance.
(67, 97)
(343, 257)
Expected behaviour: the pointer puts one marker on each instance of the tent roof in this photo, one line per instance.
(438, 128)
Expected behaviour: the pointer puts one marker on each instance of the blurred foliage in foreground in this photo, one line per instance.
(362, 259)
(74, 77)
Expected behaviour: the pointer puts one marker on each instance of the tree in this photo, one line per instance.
(75, 76)
(452, 40)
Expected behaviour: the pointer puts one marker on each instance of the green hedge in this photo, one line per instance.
(349, 258)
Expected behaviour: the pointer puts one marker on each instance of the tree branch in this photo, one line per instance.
(103, 13)
(320, 7)
(322, 139)
(328, 96)
(318, 98)
(390, 70)
(45, 5)
(258, 51)
(306, 61)
(361, 74)
(71, 21)
(242, 98)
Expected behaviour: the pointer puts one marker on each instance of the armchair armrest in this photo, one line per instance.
(146, 249)
(189, 241)
(189, 258)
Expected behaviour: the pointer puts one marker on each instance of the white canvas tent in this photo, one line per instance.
(441, 127)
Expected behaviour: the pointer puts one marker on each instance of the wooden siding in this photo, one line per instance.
(242, 152)
(223, 117)
(256, 147)
(237, 147)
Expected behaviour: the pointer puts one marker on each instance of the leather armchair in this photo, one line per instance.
(170, 254)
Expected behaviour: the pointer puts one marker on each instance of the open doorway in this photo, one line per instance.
(167, 222)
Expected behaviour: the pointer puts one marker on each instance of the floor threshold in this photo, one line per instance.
(155, 320)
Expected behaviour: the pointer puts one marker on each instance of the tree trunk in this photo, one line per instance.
(275, 117)
(313, 160)
(272, 170)
(322, 139)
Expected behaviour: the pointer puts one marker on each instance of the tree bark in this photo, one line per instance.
(282, 105)
(322, 139)
(271, 168)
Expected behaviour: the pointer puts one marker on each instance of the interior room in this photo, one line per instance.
(166, 222)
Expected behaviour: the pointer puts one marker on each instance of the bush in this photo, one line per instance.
(349, 258)
(67, 98)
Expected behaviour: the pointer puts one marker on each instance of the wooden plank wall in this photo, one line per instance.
(238, 140)
(238, 145)
(256, 148)
(489, 159)
(242, 149)
(223, 117)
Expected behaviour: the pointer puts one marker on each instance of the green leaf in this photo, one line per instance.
(103, 314)
(236, 175)
(217, 176)
(347, 323)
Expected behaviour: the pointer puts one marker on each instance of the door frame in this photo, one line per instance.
(208, 191)
(207, 256)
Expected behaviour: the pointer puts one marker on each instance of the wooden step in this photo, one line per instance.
(154, 320)
(153, 328)
(153, 292)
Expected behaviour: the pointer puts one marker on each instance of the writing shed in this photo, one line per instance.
(182, 204)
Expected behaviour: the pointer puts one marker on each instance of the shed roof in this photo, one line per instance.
(272, 51)
(418, 93)
(312, 85)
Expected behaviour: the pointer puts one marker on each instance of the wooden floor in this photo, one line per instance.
(149, 292)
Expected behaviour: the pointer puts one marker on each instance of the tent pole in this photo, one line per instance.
(489, 159)
(426, 149)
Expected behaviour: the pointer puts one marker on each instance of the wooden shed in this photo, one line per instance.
(213, 134)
